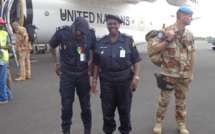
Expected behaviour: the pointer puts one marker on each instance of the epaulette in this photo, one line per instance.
(99, 39)
(127, 35)
(61, 27)
(93, 29)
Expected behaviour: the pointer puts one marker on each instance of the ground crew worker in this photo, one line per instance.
(113, 58)
(177, 67)
(5, 45)
(23, 47)
(76, 43)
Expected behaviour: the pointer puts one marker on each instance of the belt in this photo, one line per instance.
(117, 74)
(74, 68)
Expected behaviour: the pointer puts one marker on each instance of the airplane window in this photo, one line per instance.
(46, 13)
(141, 22)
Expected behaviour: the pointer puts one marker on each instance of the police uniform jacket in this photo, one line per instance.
(107, 54)
(70, 48)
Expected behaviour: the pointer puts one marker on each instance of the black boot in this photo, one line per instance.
(87, 131)
(66, 132)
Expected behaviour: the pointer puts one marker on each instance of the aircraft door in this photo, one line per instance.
(5, 13)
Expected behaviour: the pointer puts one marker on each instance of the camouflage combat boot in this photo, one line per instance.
(183, 130)
(20, 78)
(158, 128)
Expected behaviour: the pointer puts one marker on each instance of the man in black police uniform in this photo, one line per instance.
(113, 58)
(76, 43)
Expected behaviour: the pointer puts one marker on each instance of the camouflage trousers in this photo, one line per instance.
(180, 89)
(24, 64)
(9, 80)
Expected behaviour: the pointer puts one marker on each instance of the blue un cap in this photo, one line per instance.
(81, 25)
(186, 10)
(110, 16)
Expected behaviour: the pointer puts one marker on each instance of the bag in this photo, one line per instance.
(31, 32)
(163, 84)
(155, 58)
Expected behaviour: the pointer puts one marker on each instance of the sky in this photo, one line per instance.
(205, 26)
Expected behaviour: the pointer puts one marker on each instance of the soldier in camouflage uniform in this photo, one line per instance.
(177, 67)
(23, 47)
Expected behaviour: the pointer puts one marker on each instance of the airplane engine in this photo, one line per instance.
(182, 2)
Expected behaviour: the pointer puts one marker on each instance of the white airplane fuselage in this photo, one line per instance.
(47, 15)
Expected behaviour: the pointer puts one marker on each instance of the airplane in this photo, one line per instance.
(139, 16)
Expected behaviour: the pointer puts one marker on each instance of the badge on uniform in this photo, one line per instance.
(102, 49)
(122, 53)
(83, 57)
(79, 50)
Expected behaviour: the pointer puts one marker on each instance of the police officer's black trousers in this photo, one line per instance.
(68, 84)
(112, 97)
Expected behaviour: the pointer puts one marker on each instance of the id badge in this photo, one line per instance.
(122, 53)
(82, 57)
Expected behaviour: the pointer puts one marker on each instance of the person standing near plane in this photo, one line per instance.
(177, 67)
(5, 45)
(113, 58)
(76, 43)
(23, 47)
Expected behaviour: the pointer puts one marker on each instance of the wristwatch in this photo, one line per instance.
(168, 41)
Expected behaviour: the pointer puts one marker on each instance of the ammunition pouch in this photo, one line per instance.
(163, 84)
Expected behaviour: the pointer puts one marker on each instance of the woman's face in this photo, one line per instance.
(113, 26)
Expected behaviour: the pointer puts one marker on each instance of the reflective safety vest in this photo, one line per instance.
(3, 42)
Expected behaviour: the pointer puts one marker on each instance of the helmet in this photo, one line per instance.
(2, 21)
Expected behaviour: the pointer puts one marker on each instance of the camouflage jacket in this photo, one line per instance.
(20, 38)
(177, 54)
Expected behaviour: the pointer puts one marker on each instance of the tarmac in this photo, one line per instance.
(36, 108)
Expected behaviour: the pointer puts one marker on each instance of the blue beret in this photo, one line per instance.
(186, 10)
(110, 16)
(81, 25)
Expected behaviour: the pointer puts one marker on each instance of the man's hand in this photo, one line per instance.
(134, 83)
(171, 34)
(93, 87)
(58, 69)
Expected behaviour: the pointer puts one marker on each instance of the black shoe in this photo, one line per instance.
(87, 131)
(66, 132)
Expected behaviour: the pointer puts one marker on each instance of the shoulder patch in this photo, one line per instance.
(61, 27)
(134, 44)
(93, 29)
